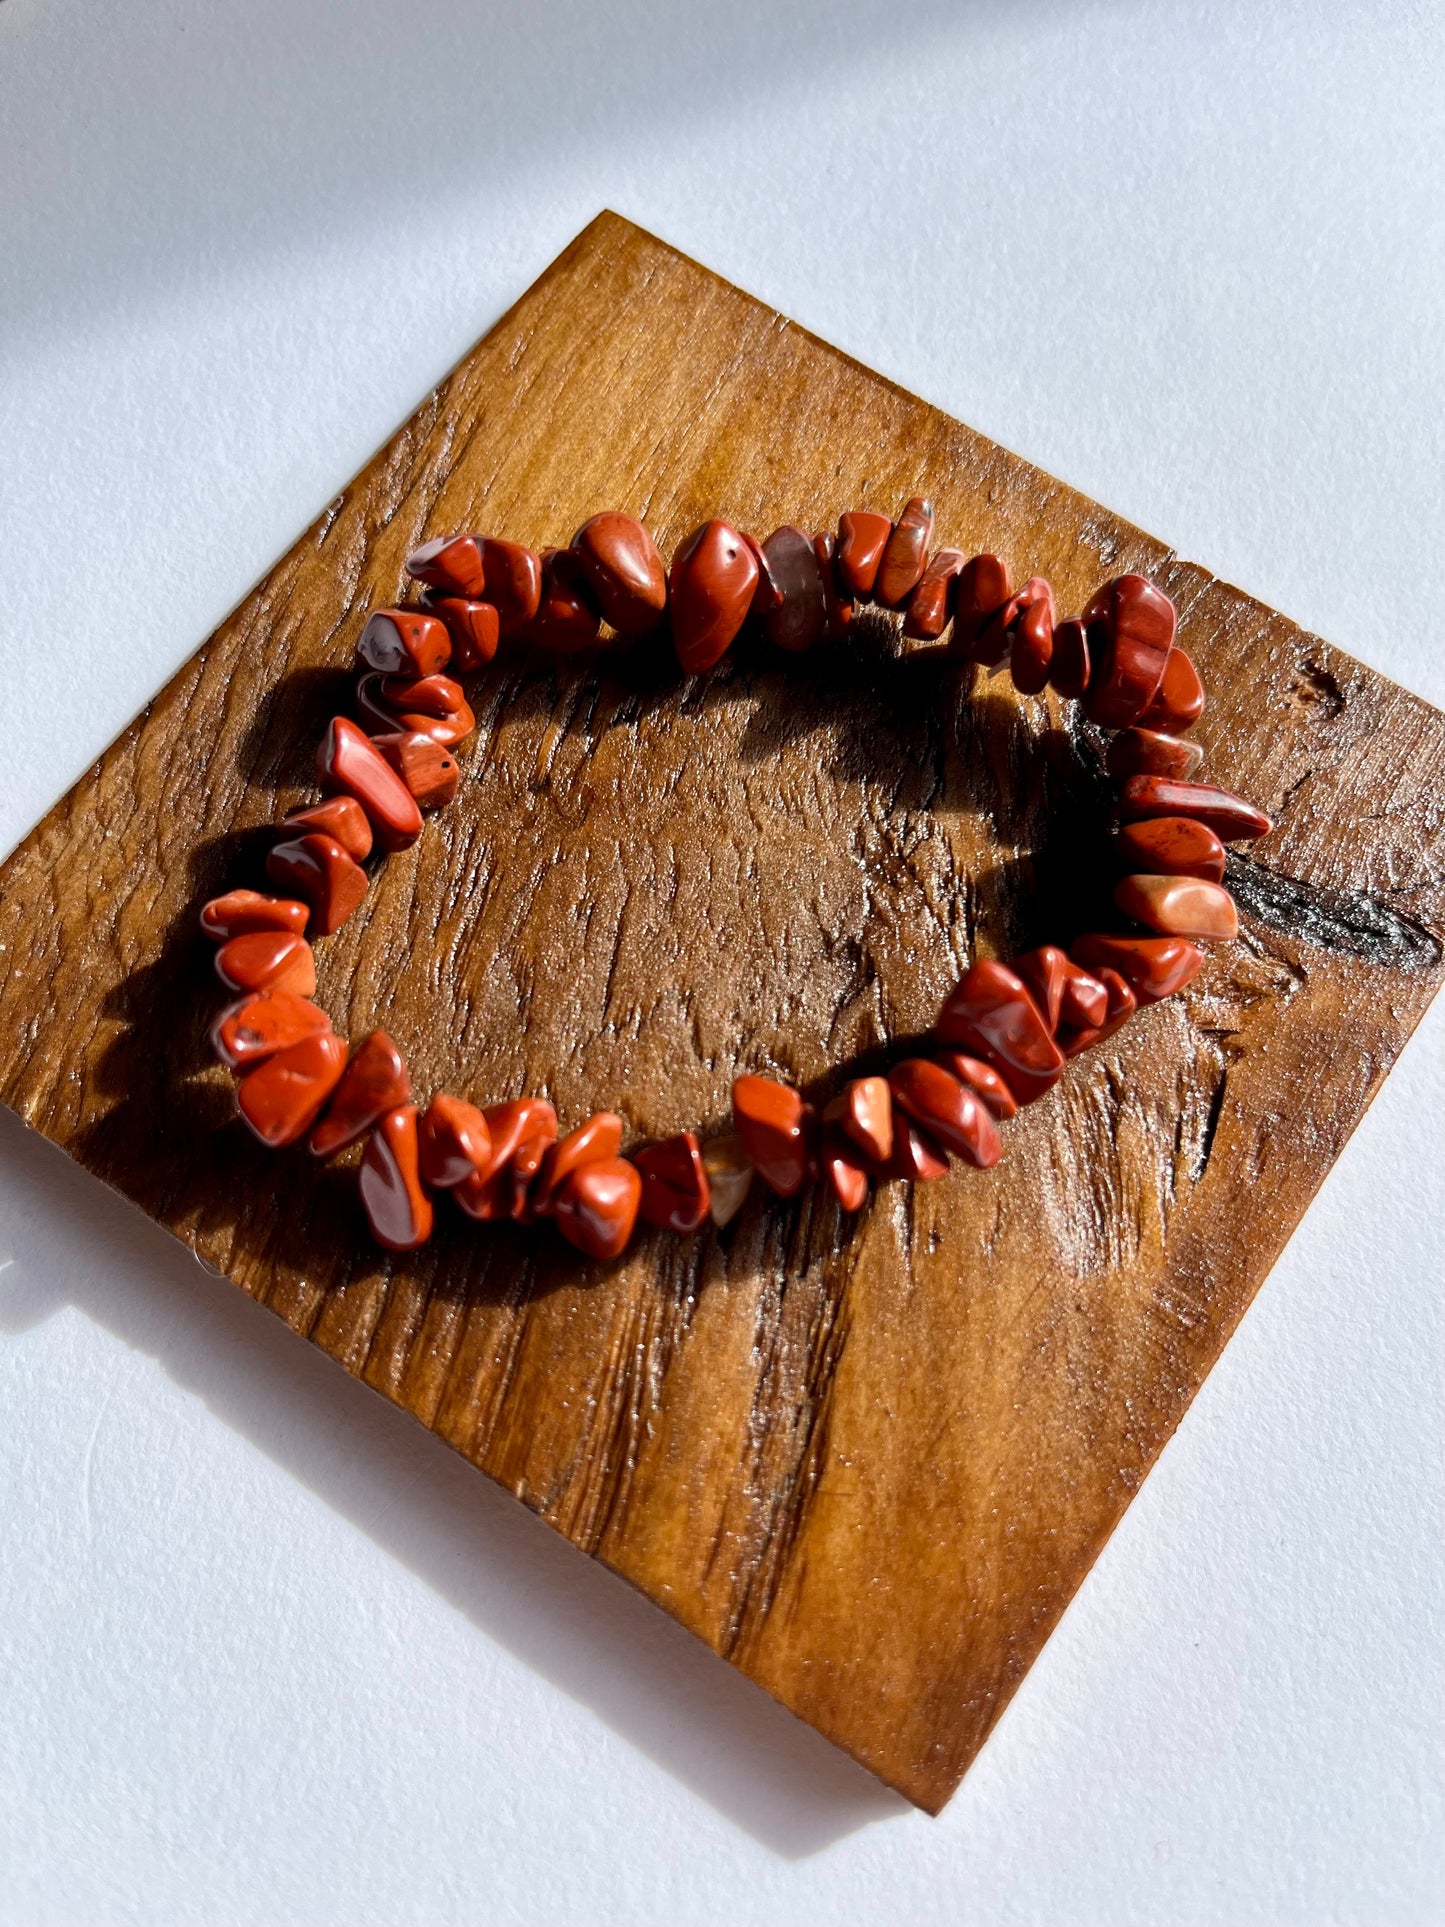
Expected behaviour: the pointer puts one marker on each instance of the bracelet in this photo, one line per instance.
(1004, 1033)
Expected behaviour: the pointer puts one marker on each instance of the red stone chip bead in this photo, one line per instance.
(283, 1096)
(906, 554)
(981, 1078)
(445, 731)
(837, 601)
(596, 1207)
(945, 1106)
(374, 1082)
(405, 642)
(239, 912)
(1063, 992)
(428, 769)
(1069, 665)
(427, 695)
(1180, 701)
(800, 621)
(1032, 630)
(1171, 846)
(1147, 752)
(524, 1169)
(1153, 967)
(711, 588)
(515, 1120)
(991, 1015)
(930, 607)
(520, 1128)
(984, 587)
(454, 1140)
(626, 574)
(917, 1156)
(1177, 907)
(600, 1137)
(349, 763)
(340, 817)
(397, 1206)
(567, 618)
(1230, 817)
(862, 538)
(1033, 605)
(1130, 626)
(1121, 1007)
(318, 870)
(676, 1193)
(844, 1169)
(513, 582)
(267, 960)
(255, 1028)
(474, 627)
(451, 563)
(768, 591)
(863, 1111)
(771, 1120)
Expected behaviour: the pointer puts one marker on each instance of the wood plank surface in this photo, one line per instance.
(868, 1460)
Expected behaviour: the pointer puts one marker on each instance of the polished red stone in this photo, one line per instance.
(1069, 666)
(282, 1097)
(524, 1170)
(454, 1142)
(676, 1193)
(771, 1121)
(1032, 632)
(392, 1192)
(512, 582)
(801, 619)
(255, 1028)
(844, 1168)
(600, 1137)
(711, 587)
(597, 1207)
(1130, 625)
(1230, 817)
(1063, 992)
(948, 1109)
(239, 912)
(428, 695)
(1174, 906)
(862, 538)
(906, 555)
(983, 1079)
(451, 563)
(768, 592)
(1033, 605)
(917, 1156)
(991, 1015)
(1153, 967)
(374, 1082)
(515, 1120)
(429, 770)
(627, 575)
(266, 960)
(520, 1129)
(474, 627)
(930, 607)
(1180, 702)
(837, 601)
(1146, 752)
(984, 587)
(348, 762)
(1122, 1004)
(340, 817)
(405, 642)
(863, 1111)
(729, 1175)
(1171, 846)
(567, 618)
(317, 869)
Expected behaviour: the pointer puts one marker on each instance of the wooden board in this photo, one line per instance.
(867, 1460)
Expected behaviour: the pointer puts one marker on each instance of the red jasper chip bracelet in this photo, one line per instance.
(1005, 1032)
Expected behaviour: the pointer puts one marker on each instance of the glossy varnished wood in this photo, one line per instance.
(867, 1460)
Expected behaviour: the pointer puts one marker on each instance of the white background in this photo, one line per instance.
(268, 1652)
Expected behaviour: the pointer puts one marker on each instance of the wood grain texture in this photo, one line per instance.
(867, 1460)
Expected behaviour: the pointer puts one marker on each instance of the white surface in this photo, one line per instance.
(268, 1652)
